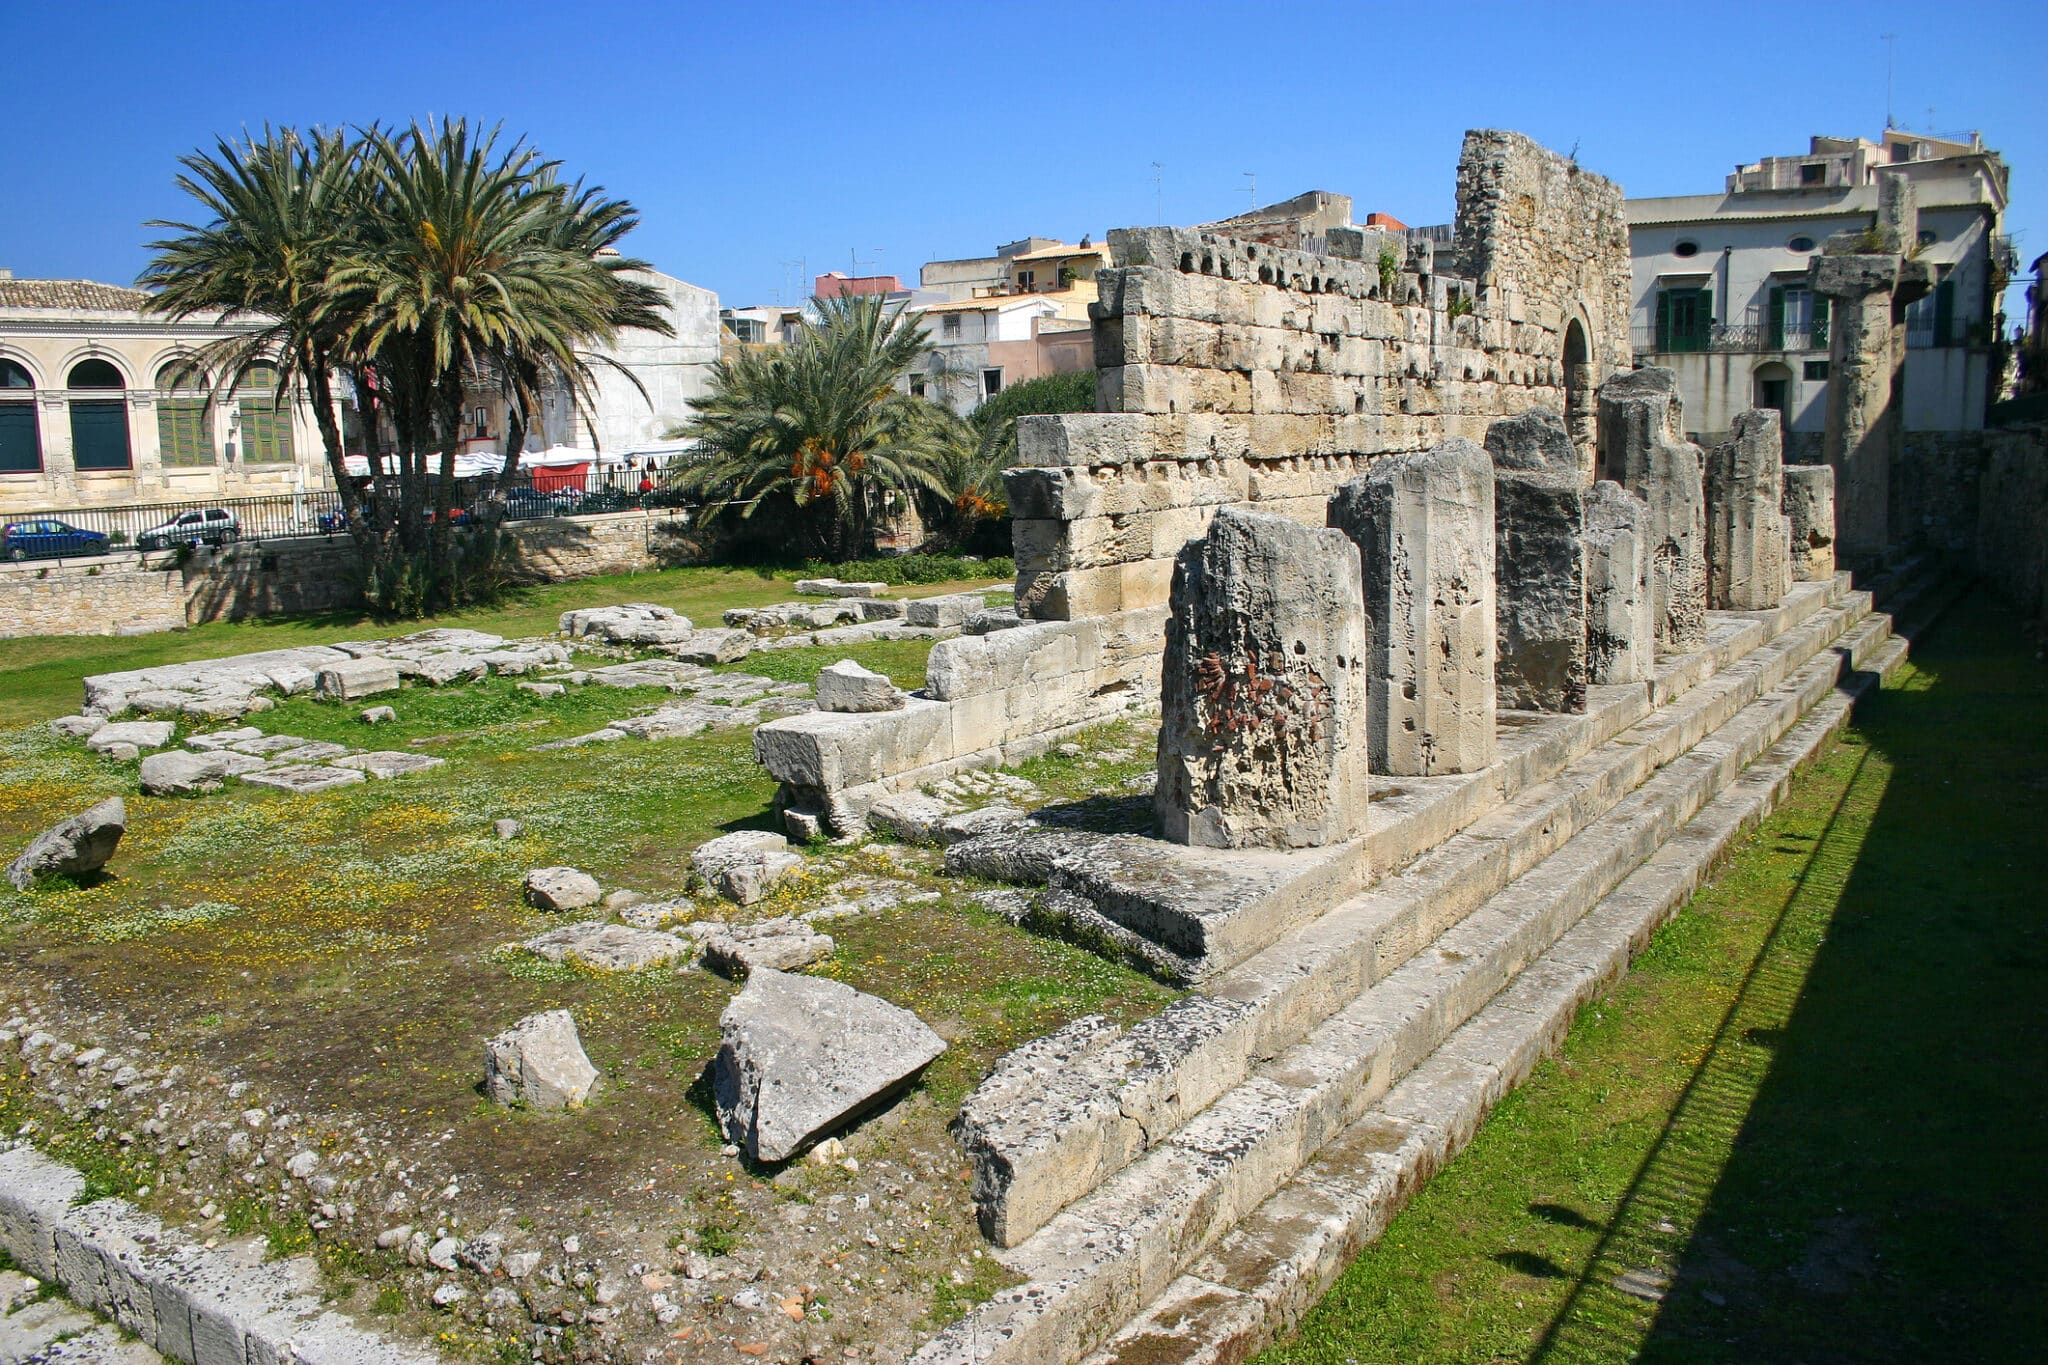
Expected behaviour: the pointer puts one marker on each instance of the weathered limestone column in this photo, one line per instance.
(1868, 281)
(1809, 508)
(1640, 449)
(1748, 543)
(1621, 629)
(1262, 732)
(1539, 572)
(1423, 524)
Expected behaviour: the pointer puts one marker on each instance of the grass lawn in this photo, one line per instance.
(40, 675)
(1810, 1125)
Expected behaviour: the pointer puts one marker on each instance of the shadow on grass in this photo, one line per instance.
(1859, 1154)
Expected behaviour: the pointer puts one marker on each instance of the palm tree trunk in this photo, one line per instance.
(314, 365)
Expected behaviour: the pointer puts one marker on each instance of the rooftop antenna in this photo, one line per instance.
(1891, 43)
(1159, 193)
(1252, 190)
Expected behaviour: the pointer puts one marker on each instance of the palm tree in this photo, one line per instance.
(820, 425)
(281, 211)
(474, 262)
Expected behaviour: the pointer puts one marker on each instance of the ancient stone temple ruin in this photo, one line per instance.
(1469, 666)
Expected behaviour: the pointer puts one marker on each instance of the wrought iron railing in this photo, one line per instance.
(1755, 338)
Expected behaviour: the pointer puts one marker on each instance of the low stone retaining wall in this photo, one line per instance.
(188, 1301)
(130, 593)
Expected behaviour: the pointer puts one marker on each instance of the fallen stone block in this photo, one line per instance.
(714, 646)
(973, 824)
(542, 689)
(142, 734)
(313, 751)
(304, 779)
(507, 829)
(377, 715)
(990, 619)
(178, 772)
(221, 739)
(881, 608)
(224, 707)
(746, 865)
(780, 945)
(608, 947)
(560, 888)
(76, 847)
(539, 1062)
(388, 763)
(267, 745)
(1025, 854)
(76, 727)
(846, 686)
(912, 817)
(292, 680)
(354, 678)
(799, 1056)
(834, 587)
(952, 609)
(438, 670)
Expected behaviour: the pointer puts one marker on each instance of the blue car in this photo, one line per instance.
(49, 537)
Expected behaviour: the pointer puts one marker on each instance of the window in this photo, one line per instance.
(1793, 318)
(184, 417)
(1685, 317)
(1025, 279)
(917, 388)
(1800, 243)
(1815, 371)
(1814, 173)
(21, 449)
(99, 426)
(752, 331)
(266, 425)
(991, 383)
(949, 325)
(1686, 248)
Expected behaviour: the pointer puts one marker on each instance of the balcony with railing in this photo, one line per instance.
(1742, 338)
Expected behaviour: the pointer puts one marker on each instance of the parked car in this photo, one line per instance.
(532, 502)
(209, 525)
(46, 537)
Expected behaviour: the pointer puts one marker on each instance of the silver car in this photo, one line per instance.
(205, 525)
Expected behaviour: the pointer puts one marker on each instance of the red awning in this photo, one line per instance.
(555, 478)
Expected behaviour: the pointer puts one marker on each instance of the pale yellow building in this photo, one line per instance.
(99, 407)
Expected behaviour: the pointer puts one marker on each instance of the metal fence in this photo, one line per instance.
(534, 493)
(1742, 337)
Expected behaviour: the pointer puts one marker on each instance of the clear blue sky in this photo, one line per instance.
(755, 136)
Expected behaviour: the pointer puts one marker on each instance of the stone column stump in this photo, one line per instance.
(1620, 622)
(1809, 508)
(1539, 569)
(1749, 547)
(1424, 526)
(1640, 449)
(1262, 733)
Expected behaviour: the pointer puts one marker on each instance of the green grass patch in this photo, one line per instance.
(1797, 1130)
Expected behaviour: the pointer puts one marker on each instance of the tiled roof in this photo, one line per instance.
(75, 295)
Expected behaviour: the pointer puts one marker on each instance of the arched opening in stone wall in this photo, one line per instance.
(1581, 417)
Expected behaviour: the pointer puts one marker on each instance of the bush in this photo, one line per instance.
(902, 569)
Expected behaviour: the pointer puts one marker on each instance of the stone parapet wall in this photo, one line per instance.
(128, 593)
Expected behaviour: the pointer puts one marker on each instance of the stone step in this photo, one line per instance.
(1260, 1278)
(1213, 908)
(1058, 1117)
(1091, 1266)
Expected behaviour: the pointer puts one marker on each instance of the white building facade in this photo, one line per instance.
(1720, 292)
